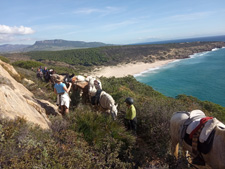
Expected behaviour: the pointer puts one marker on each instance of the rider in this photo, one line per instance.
(46, 74)
(130, 117)
(62, 91)
(45, 71)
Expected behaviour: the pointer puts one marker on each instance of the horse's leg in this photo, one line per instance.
(81, 92)
(187, 156)
(176, 151)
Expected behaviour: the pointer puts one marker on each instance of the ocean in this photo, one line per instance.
(202, 76)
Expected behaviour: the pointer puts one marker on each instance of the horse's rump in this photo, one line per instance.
(106, 100)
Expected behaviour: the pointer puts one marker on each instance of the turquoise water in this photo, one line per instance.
(202, 76)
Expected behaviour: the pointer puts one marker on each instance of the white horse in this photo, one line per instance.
(215, 158)
(94, 85)
(107, 103)
(91, 85)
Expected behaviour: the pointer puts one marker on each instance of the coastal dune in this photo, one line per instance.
(123, 70)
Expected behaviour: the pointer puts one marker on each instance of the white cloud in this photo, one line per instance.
(21, 30)
(10, 34)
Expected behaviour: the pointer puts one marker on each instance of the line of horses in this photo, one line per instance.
(91, 91)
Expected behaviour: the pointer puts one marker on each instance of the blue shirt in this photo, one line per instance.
(59, 87)
(45, 71)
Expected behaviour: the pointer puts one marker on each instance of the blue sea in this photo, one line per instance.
(202, 76)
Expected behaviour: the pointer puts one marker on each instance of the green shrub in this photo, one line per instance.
(88, 138)
(4, 59)
(27, 64)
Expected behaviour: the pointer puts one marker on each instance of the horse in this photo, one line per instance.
(216, 156)
(87, 86)
(80, 84)
(90, 88)
(107, 103)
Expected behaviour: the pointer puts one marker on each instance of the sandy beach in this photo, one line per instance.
(123, 70)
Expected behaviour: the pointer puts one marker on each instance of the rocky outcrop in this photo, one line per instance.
(18, 101)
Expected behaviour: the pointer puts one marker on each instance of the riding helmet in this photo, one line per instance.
(129, 100)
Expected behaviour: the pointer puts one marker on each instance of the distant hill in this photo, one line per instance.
(50, 45)
(58, 44)
(113, 55)
(220, 38)
(8, 48)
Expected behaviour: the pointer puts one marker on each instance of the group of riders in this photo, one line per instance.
(44, 74)
(62, 86)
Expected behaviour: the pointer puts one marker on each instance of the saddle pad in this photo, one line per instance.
(82, 84)
(196, 113)
(80, 78)
(192, 126)
(209, 126)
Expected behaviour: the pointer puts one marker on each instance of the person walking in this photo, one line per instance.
(130, 117)
(63, 99)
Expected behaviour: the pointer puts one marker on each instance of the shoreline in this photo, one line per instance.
(133, 69)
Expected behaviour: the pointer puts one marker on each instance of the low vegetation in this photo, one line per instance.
(27, 64)
(4, 59)
(88, 138)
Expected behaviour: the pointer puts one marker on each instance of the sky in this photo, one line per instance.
(109, 21)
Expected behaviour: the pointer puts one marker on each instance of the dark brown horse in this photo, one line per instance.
(81, 85)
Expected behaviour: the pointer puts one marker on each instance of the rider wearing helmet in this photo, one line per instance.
(130, 117)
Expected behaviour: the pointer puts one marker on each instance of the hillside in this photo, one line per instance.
(113, 55)
(91, 139)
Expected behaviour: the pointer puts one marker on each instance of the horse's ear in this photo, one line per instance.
(116, 105)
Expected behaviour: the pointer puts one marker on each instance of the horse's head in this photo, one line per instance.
(113, 110)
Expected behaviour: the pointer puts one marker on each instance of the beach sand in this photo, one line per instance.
(123, 70)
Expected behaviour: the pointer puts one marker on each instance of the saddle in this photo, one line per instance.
(192, 138)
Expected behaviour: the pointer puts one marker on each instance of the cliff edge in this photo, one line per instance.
(18, 101)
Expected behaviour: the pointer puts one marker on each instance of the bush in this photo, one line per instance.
(27, 64)
(67, 145)
(4, 59)
(91, 139)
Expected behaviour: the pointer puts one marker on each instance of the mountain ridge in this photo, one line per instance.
(50, 45)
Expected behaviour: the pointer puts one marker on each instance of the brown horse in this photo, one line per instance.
(79, 84)
(86, 86)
